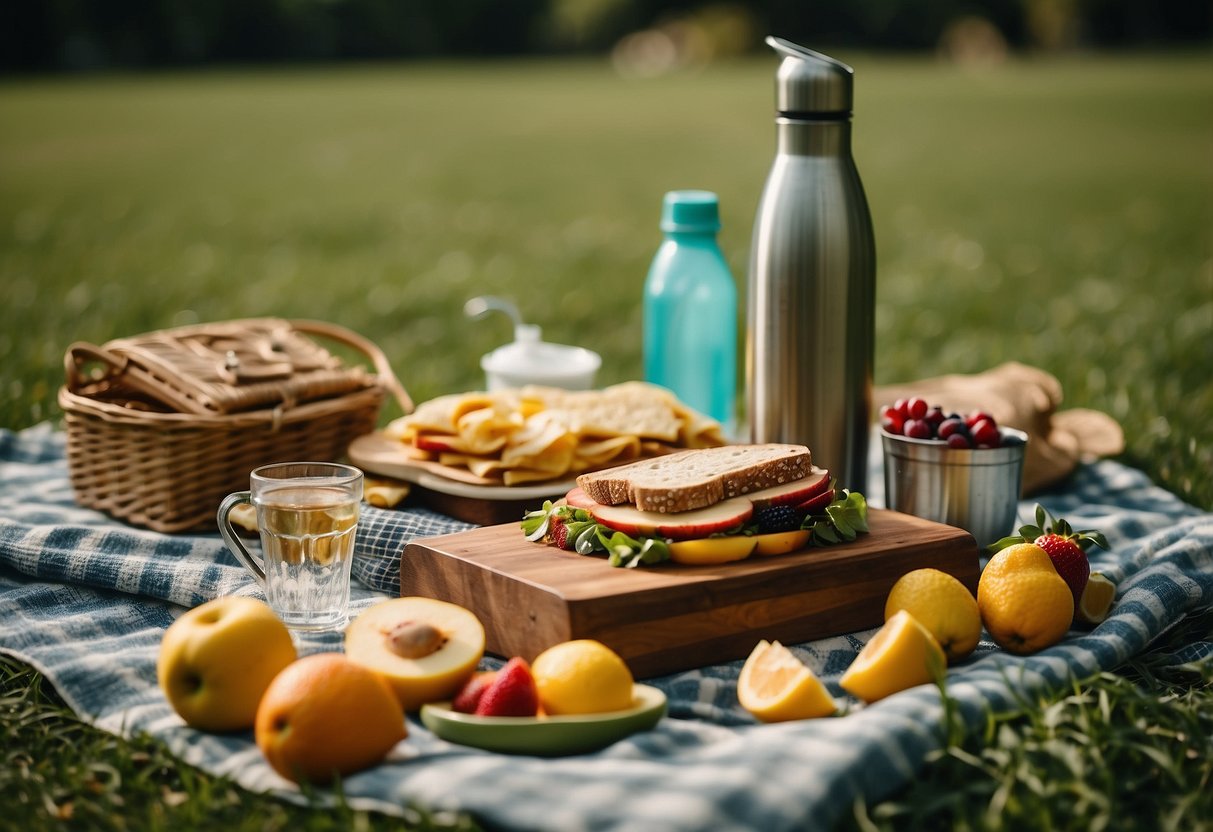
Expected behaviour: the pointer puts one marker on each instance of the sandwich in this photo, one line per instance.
(704, 506)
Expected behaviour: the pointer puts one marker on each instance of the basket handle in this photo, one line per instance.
(81, 353)
(365, 346)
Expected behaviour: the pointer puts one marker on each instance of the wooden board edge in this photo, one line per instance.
(534, 614)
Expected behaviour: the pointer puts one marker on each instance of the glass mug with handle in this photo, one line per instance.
(307, 513)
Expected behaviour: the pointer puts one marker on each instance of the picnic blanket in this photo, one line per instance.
(85, 600)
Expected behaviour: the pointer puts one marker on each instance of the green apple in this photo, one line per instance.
(217, 660)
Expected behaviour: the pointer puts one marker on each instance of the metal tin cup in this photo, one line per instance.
(974, 489)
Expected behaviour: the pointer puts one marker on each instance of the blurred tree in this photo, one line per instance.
(80, 35)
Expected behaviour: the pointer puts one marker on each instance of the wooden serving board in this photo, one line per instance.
(666, 618)
(452, 491)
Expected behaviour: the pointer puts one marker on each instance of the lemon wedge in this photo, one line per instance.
(1096, 599)
(902, 654)
(775, 686)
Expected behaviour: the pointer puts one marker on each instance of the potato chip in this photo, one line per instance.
(436, 415)
(544, 443)
(597, 454)
(538, 433)
(522, 476)
(384, 493)
(485, 430)
(244, 515)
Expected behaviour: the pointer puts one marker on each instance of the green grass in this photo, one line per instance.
(1056, 213)
(60, 773)
(1052, 212)
(1131, 750)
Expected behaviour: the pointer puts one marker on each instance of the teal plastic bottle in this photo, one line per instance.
(690, 309)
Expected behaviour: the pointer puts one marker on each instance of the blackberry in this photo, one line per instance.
(773, 519)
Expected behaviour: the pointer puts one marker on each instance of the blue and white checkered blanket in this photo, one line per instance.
(85, 600)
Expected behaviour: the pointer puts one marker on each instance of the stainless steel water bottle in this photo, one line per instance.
(812, 280)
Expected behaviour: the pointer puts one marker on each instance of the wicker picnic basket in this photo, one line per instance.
(161, 426)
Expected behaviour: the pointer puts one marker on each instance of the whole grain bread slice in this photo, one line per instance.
(697, 478)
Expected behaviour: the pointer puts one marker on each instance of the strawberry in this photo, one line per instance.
(512, 693)
(558, 531)
(1067, 548)
(473, 689)
(1069, 560)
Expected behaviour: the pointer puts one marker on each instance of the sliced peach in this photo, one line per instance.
(780, 543)
(425, 648)
(711, 550)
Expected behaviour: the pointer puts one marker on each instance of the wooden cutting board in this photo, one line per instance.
(454, 492)
(671, 617)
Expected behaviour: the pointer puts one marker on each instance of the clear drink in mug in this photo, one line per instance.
(307, 514)
(307, 540)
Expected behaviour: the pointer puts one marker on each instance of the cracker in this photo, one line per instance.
(535, 433)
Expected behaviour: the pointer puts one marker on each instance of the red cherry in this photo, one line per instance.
(917, 408)
(891, 420)
(958, 440)
(935, 417)
(919, 429)
(977, 416)
(985, 432)
(902, 406)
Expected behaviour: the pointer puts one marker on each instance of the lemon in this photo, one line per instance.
(943, 605)
(1014, 559)
(902, 654)
(1024, 603)
(582, 677)
(1096, 599)
(775, 686)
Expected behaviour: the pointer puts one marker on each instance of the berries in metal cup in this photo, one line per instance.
(965, 471)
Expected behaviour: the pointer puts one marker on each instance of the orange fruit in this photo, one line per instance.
(325, 716)
(775, 686)
(1024, 603)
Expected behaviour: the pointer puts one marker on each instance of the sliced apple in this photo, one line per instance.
(793, 493)
(425, 648)
(682, 525)
(817, 504)
(710, 550)
(579, 499)
(440, 442)
(780, 543)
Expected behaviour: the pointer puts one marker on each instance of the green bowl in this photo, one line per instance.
(547, 736)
